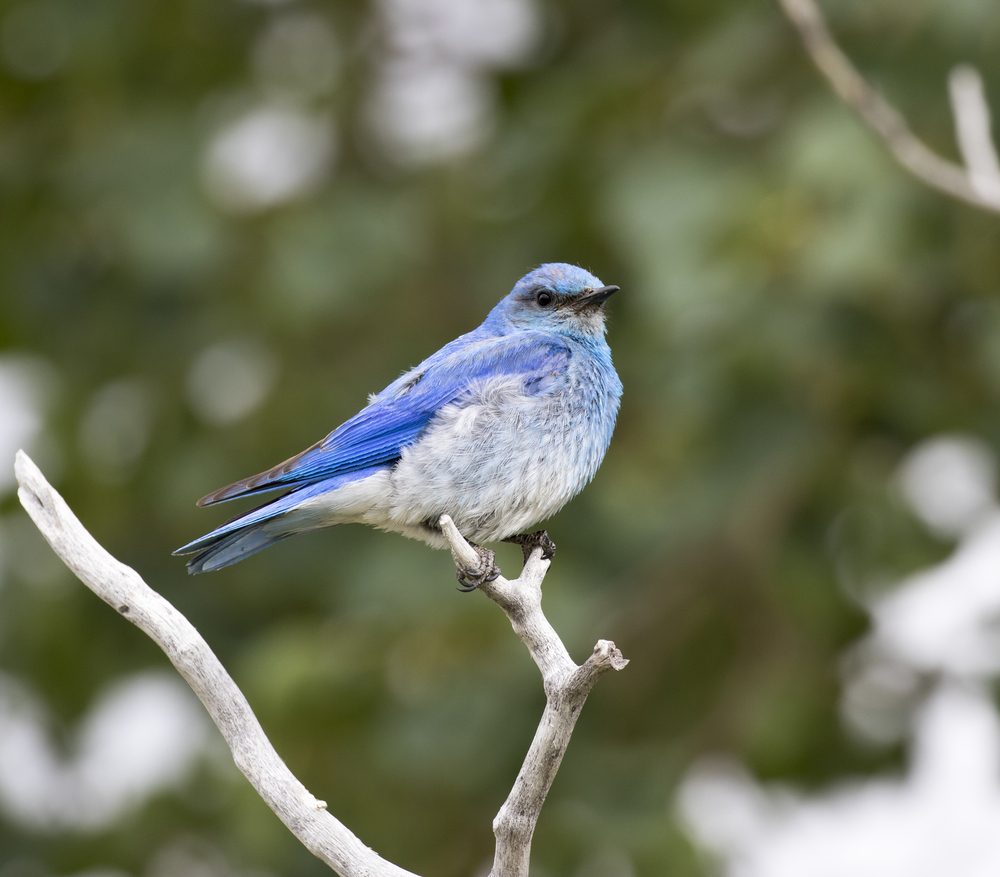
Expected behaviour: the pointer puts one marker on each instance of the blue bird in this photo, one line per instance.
(499, 429)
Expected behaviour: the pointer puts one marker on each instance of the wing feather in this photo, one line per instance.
(398, 415)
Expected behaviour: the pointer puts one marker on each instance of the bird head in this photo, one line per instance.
(557, 298)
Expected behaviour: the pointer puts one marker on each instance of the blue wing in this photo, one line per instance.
(398, 415)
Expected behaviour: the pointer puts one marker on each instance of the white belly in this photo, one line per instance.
(498, 465)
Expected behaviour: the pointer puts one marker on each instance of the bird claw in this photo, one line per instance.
(469, 578)
(530, 541)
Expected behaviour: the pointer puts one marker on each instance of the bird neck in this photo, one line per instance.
(499, 323)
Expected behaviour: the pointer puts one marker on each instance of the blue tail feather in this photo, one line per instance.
(258, 528)
(233, 548)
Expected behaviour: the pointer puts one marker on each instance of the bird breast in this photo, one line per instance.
(503, 459)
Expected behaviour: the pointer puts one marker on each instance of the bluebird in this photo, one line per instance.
(499, 429)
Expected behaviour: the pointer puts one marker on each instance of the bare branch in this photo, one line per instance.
(566, 688)
(566, 684)
(124, 590)
(888, 123)
(972, 125)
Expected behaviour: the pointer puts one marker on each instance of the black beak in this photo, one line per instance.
(597, 297)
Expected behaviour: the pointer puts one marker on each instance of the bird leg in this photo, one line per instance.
(530, 541)
(470, 578)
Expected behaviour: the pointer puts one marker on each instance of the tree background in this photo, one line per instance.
(224, 223)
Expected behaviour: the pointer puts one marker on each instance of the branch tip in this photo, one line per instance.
(26, 473)
(462, 552)
(23, 463)
(608, 654)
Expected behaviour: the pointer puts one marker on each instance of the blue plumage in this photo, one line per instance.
(499, 428)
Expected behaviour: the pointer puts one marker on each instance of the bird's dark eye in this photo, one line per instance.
(544, 298)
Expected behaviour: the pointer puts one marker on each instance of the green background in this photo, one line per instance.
(796, 314)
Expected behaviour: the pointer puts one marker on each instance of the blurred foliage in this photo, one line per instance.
(797, 312)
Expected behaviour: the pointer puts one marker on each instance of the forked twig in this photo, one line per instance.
(976, 183)
(566, 687)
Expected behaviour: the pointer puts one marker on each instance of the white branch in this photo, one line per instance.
(566, 688)
(965, 184)
(124, 590)
(972, 125)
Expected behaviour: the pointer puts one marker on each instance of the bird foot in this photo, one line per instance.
(530, 541)
(471, 578)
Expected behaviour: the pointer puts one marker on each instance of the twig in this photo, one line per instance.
(972, 125)
(124, 590)
(566, 688)
(888, 123)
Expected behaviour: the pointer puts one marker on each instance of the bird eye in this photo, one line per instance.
(544, 298)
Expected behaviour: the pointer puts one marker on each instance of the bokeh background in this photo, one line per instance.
(223, 223)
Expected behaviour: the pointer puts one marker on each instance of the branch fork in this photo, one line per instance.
(566, 685)
(307, 817)
(976, 182)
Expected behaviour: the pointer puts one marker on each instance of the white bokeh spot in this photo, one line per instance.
(922, 675)
(229, 379)
(433, 96)
(26, 384)
(940, 818)
(949, 482)
(269, 155)
(142, 735)
(424, 111)
(484, 33)
(116, 428)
